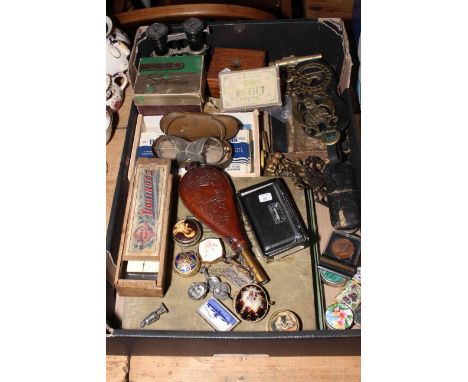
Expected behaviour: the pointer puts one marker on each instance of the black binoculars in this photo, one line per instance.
(190, 41)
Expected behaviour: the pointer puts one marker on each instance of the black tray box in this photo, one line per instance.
(279, 38)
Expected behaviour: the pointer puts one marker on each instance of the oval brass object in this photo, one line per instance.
(193, 126)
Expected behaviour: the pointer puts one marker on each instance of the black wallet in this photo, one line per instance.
(274, 218)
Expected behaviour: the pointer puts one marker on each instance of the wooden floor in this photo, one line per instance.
(226, 368)
(233, 369)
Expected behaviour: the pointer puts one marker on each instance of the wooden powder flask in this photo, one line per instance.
(208, 195)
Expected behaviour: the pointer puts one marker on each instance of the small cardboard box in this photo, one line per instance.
(232, 59)
(166, 84)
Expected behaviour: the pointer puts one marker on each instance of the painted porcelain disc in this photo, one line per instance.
(339, 316)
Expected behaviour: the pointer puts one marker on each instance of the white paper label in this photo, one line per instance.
(265, 197)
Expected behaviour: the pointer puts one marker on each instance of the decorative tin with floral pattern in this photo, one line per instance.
(339, 316)
(350, 295)
(186, 263)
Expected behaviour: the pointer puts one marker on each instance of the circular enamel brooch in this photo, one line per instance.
(251, 303)
(186, 263)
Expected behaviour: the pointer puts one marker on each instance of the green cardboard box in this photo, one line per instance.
(167, 84)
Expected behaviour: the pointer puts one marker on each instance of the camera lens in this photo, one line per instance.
(157, 33)
(193, 29)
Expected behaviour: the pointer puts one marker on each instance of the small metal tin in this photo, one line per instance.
(186, 263)
(187, 232)
(331, 278)
(211, 250)
(251, 303)
(284, 321)
(338, 316)
(350, 295)
(198, 290)
(357, 316)
(217, 315)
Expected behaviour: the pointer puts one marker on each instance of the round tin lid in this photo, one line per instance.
(211, 250)
(187, 232)
(186, 263)
(197, 290)
(339, 316)
(251, 303)
(284, 321)
(331, 278)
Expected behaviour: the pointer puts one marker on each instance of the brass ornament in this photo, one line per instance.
(307, 174)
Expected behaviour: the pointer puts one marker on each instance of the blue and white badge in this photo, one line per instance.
(217, 315)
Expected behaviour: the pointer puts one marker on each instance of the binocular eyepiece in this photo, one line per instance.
(193, 34)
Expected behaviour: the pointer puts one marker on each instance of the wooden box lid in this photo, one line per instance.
(233, 59)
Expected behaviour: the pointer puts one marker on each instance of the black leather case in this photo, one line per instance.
(273, 216)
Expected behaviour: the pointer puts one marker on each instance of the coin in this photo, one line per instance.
(284, 321)
(343, 248)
